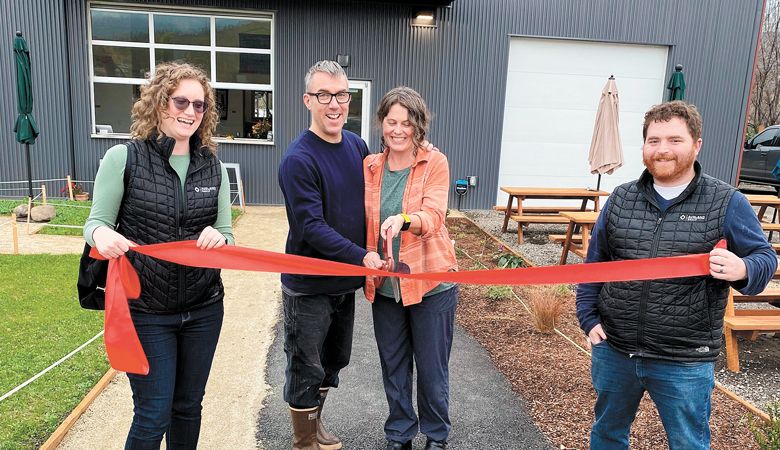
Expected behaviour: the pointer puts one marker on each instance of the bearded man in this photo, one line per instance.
(663, 336)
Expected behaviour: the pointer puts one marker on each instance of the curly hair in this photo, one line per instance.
(149, 109)
(677, 108)
(419, 115)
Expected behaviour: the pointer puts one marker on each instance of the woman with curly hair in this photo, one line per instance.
(167, 184)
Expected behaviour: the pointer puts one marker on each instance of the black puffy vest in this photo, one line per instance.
(153, 211)
(678, 319)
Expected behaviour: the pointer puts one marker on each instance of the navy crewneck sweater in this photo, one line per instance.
(323, 190)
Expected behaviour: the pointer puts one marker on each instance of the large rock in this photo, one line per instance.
(43, 213)
(21, 210)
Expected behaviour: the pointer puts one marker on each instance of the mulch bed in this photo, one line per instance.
(549, 372)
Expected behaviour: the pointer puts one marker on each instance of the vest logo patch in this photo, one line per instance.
(693, 217)
(703, 349)
(205, 189)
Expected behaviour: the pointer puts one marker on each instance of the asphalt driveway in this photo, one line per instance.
(485, 413)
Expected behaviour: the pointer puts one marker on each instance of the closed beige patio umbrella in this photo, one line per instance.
(606, 150)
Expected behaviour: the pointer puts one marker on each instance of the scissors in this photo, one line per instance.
(392, 266)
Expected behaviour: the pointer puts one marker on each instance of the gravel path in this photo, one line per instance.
(237, 385)
(759, 379)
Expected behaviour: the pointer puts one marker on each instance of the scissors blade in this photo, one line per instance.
(391, 267)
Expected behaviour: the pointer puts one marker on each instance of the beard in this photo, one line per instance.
(669, 167)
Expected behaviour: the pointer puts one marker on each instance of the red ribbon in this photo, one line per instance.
(126, 354)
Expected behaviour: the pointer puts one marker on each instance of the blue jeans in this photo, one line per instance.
(418, 335)
(317, 342)
(681, 392)
(180, 348)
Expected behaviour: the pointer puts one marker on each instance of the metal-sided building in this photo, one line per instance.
(513, 84)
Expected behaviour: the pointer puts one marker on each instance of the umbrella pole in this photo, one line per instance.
(29, 171)
(598, 183)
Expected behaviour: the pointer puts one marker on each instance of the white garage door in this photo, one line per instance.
(552, 93)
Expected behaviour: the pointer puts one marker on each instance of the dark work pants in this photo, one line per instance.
(318, 344)
(420, 334)
(180, 348)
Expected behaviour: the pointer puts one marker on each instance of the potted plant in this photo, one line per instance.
(261, 128)
(78, 192)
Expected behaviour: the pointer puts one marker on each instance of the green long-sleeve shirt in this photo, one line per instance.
(109, 189)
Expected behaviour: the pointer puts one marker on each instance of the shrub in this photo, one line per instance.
(547, 304)
(497, 293)
(767, 434)
(510, 261)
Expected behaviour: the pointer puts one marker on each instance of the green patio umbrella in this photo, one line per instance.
(25, 128)
(677, 84)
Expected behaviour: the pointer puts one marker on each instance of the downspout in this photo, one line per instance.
(71, 142)
(740, 148)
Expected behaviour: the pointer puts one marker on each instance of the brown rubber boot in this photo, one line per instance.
(304, 424)
(326, 440)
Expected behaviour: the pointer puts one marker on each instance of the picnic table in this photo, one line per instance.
(524, 215)
(763, 202)
(749, 321)
(584, 220)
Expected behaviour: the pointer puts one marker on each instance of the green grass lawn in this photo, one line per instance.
(40, 322)
(68, 213)
(6, 206)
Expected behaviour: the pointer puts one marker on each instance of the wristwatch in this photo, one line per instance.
(407, 222)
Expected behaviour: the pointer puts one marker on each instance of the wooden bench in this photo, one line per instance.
(751, 321)
(770, 226)
(535, 218)
(769, 295)
(542, 209)
(559, 238)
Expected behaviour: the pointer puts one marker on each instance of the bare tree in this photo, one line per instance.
(765, 98)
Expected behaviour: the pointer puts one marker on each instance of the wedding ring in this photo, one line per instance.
(722, 269)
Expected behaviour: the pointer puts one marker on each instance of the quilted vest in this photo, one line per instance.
(154, 211)
(677, 319)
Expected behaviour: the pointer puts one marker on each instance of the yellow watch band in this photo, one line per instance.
(407, 222)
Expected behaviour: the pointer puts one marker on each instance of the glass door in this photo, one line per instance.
(359, 117)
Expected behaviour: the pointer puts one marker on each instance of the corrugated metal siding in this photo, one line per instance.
(459, 67)
(42, 25)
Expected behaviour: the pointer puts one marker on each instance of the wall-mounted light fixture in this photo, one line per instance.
(424, 18)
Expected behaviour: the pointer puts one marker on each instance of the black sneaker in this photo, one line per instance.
(430, 444)
(393, 445)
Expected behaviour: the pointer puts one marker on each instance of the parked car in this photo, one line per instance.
(760, 156)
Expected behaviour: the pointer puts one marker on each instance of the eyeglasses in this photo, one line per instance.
(325, 97)
(182, 103)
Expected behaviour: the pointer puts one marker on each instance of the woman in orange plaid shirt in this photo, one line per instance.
(406, 192)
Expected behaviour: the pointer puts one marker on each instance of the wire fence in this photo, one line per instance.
(65, 190)
(52, 366)
(61, 188)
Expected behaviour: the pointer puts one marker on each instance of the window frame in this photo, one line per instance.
(212, 48)
(774, 132)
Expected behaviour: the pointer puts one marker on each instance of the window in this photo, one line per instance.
(765, 138)
(236, 53)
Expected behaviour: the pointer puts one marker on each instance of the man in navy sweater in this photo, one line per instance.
(321, 177)
(663, 336)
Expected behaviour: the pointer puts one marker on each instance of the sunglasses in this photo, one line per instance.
(182, 103)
